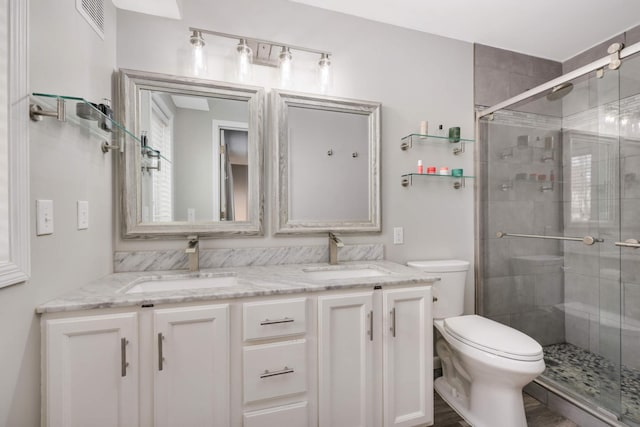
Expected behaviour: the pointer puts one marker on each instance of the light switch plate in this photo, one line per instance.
(44, 217)
(398, 235)
(83, 214)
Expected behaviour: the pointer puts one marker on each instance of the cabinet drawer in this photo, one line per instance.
(273, 370)
(274, 319)
(294, 415)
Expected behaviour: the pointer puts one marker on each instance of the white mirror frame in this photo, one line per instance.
(131, 83)
(16, 269)
(280, 102)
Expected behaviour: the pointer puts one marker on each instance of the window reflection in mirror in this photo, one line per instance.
(196, 169)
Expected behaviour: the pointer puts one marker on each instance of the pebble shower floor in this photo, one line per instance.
(593, 375)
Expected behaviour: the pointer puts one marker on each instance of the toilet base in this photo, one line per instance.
(462, 405)
(456, 401)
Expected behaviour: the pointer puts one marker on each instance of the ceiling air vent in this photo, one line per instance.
(93, 12)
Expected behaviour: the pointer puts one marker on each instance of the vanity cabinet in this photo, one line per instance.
(191, 380)
(91, 366)
(363, 334)
(338, 358)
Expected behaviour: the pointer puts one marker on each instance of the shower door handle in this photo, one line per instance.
(629, 243)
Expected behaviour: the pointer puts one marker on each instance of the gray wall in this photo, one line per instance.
(437, 220)
(66, 57)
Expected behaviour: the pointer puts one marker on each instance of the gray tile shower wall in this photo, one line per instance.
(523, 278)
(500, 74)
(240, 257)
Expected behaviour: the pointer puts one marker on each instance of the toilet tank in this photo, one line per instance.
(449, 290)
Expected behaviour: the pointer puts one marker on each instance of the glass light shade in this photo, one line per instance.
(286, 72)
(199, 61)
(324, 73)
(244, 59)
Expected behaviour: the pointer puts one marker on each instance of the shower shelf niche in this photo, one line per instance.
(459, 181)
(408, 141)
(85, 115)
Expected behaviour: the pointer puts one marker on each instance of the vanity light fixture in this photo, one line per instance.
(250, 51)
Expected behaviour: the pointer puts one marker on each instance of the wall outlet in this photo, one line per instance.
(83, 214)
(191, 215)
(398, 235)
(44, 217)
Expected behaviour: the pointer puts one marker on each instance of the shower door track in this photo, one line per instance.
(600, 63)
(581, 404)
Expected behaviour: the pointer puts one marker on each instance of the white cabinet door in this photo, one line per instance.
(407, 357)
(345, 348)
(91, 371)
(192, 366)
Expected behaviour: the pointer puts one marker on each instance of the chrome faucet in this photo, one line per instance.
(334, 244)
(193, 251)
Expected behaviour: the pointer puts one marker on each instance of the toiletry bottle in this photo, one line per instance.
(420, 168)
(444, 171)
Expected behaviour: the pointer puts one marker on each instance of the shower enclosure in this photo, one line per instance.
(558, 215)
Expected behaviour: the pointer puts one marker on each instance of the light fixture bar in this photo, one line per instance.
(254, 40)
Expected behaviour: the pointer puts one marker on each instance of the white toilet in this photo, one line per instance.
(485, 364)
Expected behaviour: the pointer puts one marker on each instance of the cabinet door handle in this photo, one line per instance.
(266, 322)
(371, 325)
(393, 322)
(283, 371)
(160, 352)
(123, 357)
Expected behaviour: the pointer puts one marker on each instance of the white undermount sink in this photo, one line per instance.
(344, 272)
(186, 282)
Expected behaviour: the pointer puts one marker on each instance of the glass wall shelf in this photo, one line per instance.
(459, 181)
(87, 116)
(408, 141)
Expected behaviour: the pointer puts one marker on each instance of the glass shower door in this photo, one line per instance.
(630, 232)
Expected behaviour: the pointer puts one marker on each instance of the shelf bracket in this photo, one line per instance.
(105, 147)
(406, 182)
(36, 113)
(459, 150)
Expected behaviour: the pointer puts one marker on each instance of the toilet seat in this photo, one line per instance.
(493, 337)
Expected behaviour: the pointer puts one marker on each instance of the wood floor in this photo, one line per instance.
(538, 415)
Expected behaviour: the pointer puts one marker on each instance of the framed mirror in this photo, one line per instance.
(327, 153)
(198, 167)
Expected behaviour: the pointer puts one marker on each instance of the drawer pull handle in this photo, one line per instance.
(266, 322)
(268, 373)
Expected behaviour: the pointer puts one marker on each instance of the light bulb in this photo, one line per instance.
(285, 59)
(324, 73)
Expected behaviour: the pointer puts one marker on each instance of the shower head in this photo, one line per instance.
(559, 91)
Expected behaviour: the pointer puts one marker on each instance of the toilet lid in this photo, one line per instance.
(493, 337)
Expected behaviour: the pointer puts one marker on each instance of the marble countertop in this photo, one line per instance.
(252, 281)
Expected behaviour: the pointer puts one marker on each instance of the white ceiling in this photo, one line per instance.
(553, 29)
(164, 8)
